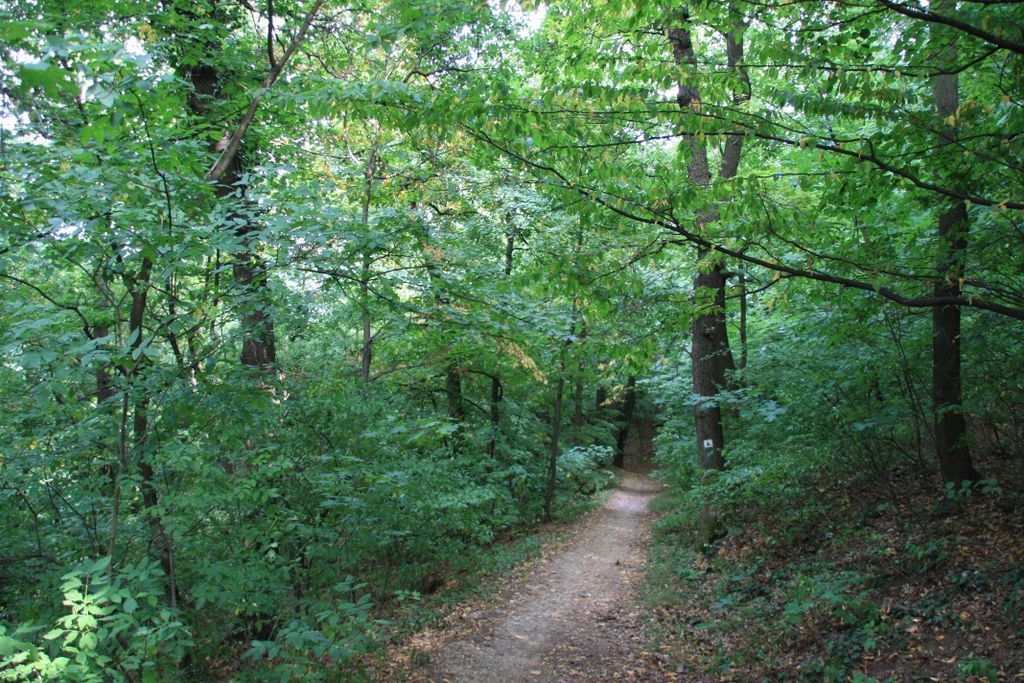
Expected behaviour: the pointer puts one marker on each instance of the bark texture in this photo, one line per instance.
(628, 409)
(249, 269)
(711, 353)
(951, 443)
(556, 434)
(496, 388)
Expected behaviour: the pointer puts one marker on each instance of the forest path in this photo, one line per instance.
(573, 618)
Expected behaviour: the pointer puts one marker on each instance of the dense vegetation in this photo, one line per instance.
(302, 303)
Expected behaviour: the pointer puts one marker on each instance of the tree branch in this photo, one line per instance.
(672, 225)
(932, 17)
(235, 140)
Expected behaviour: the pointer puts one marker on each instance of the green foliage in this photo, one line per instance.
(586, 468)
(966, 489)
(336, 630)
(977, 667)
(111, 630)
(438, 215)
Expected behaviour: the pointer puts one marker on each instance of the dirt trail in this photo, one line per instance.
(574, 618)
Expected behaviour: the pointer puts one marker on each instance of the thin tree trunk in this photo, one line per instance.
(140, 425)
(452, 371)
(510, 248)
(495, 414)
(364, 295)
(556, 420)
(364, 280)
(259, 349)
(453, 390)
(496, 389)
(743, 321)
(626, 418)
(950, 427)
(556, 433)
(104, 393)
(578, 417)
(104, 387)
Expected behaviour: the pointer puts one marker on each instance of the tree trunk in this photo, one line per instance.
(712, 356)
(453, 391)
(556, 420)
(258, 345)
(456, 410)
(578, 417)
(496, 390)
(364, 281)
(495, 415)
(104, 392)
(159, 538)
(706, 342)
(628, 408)
(367, 351)
(556, 433)
(743, 321)
(104, 387)
(708, 368)
(950, 427)
(249, 270)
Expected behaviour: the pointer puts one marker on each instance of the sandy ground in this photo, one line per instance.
(574, 618)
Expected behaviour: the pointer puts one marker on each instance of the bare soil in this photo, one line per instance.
(573, 617)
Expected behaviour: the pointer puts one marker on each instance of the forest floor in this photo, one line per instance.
(571, 616)
(878, 580)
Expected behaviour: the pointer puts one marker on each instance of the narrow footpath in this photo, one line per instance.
(574, 617)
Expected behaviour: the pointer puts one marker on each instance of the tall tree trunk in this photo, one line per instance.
(556, 434)
(495, 414)
(496, 390)
(104, 387)
(159, 538)
(711, 355)
(708, 370)
(104, 392)
(259, 349)
(626, 419)
(249, 269)
(453, 391)
(367, 350)
(950, 427)
(578, 417)
(452, 371)
(556, 419)
(743, 321)
(364, 280)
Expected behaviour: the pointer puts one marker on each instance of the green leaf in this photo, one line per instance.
(49, 78)
(87, 641)
(130, 605)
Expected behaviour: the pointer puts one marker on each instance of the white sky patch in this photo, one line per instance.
(535, 18)
(529, 21)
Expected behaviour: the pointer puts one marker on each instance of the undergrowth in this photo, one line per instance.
(821, 584)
